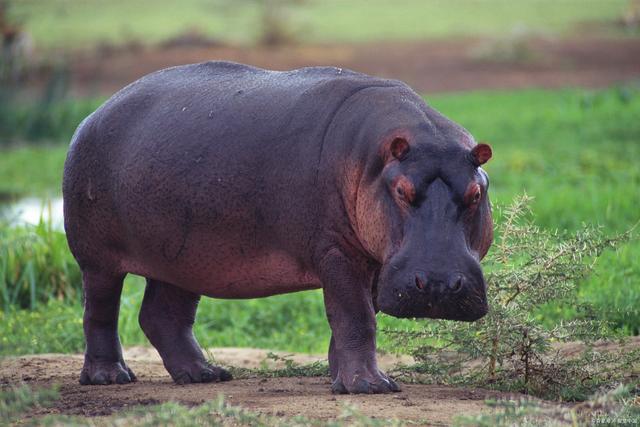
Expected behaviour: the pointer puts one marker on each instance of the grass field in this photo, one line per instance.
(33, 170)
(576, 151)
(82, 23)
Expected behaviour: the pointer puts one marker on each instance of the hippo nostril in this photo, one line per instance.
(421, 280)
(456, 284)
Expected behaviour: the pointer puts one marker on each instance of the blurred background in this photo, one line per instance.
(552, 85)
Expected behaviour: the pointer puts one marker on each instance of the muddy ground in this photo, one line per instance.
(428, 66)
(428, 404)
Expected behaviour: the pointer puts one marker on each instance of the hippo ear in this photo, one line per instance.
(399, 147)
(480, 154)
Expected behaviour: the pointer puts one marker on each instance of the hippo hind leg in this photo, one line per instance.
(166, 317)
(103, 362)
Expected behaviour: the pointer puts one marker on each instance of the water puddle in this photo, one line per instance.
(31, 210)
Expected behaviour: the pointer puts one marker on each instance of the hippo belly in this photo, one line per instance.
(239, 277)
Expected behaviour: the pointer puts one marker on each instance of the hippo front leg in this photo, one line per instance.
(351, 315)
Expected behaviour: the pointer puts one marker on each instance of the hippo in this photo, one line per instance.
(230, 181)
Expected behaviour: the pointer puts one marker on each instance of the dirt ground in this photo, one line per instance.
(427, 404)
(429, 66)
(311, 397)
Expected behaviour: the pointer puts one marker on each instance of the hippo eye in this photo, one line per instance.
(473, 195)
(476, 196)
(404, 190)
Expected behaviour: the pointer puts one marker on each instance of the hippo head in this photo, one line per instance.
(425, 215)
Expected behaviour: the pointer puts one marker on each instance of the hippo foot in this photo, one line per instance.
(198, 372)
(364, 384)
(103, 373)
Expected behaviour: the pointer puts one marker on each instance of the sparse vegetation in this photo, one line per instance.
(618, 406)
(290, 369)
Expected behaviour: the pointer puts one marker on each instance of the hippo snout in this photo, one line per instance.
(437, 295)
(454, 284)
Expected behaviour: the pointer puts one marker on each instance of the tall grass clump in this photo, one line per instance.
(35, 266)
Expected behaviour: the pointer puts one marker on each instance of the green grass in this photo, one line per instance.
(577, 152)
(292, 322)
(31, 170)
(76, 23)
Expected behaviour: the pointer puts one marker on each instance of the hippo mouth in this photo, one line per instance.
(466, 303)
(461, 310)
